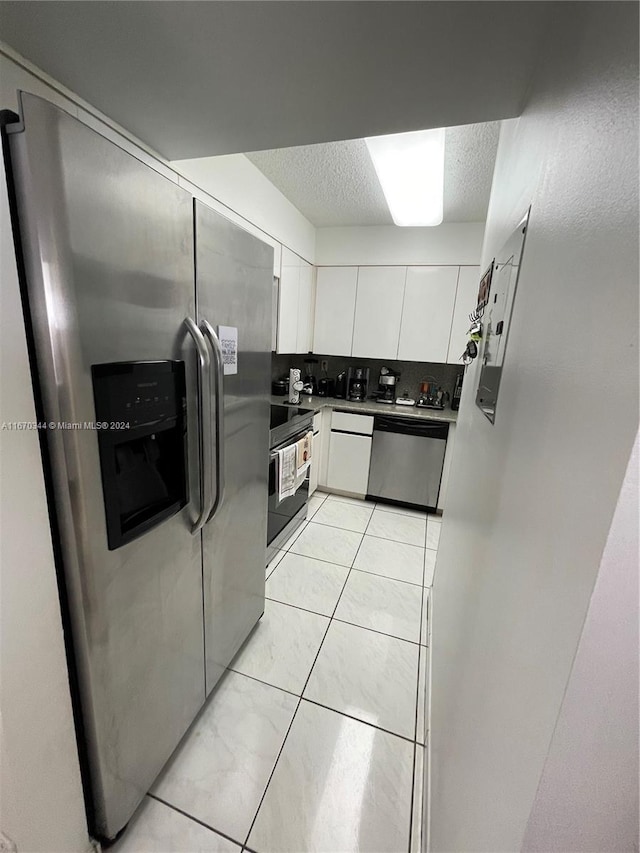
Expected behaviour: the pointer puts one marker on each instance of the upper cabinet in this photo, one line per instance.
(415, 313)
(287, 337)
(429, 298)
(376, 327)
(335, 307)
(295, 304)
(306, 299)
(466, 301)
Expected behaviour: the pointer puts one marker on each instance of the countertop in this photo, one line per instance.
(370, 407)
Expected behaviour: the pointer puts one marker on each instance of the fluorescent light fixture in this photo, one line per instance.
(410, 169)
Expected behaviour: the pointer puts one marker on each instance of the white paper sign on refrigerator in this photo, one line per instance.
(229, 342)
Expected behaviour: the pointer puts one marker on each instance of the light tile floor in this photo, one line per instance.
(315, 738)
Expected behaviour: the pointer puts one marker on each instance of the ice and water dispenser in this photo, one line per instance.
(142, 441)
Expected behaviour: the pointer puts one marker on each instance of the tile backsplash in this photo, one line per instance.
(412, 373)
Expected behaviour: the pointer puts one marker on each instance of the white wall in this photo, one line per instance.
(237, 183)
(577, 809)
(41, 803)
(531, 498)
(459, 244)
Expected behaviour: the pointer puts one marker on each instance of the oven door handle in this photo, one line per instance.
(204, 423)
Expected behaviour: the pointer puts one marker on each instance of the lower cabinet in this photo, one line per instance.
(349, 452)
(349, 457)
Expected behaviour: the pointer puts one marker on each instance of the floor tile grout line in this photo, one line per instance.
(359, 720)
(329, 562)
(415, 750)
(295, 536)
(386, 577)
(335, 527)
(298, 607)
(331, 619)
(397, 541)
(295, 713)
(195, 819)
(375, 631)
(413, 793)
(359, 532)
(261, 681)
(273, 770)
(412, 828)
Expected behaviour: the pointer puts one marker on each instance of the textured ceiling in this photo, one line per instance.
(334, 183)
(196, 79)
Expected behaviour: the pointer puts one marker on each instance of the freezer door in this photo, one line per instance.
(234, 272)
(108, 246)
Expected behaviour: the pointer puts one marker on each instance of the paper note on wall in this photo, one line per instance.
(229, 342)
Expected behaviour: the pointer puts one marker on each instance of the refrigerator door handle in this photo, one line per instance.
(204, 408)
(216, 348)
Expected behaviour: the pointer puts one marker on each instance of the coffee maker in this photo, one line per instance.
(340, 390)
(387, 382)
(357, 383)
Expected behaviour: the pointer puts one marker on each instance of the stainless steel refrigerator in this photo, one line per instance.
(149, 316)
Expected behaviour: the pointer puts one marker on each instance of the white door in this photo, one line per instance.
(376, 329)
(288, 295)
(429, 298)
(335, 306)
(466, 301)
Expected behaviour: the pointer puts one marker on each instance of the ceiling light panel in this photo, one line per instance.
(410, 168)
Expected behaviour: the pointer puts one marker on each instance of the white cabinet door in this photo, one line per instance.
(306, 302)
(376, 328)
(466, 301)
(288, 295)
(335, 305)
(349, 457)
(429, 298)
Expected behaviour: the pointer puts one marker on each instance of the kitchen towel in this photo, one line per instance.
(293, 463)
(287, 471)
(304, 452)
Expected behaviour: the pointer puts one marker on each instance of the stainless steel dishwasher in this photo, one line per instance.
(407, 455)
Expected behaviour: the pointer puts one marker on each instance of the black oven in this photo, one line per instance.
(286, 514)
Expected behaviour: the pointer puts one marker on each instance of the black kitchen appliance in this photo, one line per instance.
(457, 392)
(341, 386)
(143, 450)
(326, 387)
(288, 424)
(280, 387)
(309, 380)
(387, 382)
(357, 383)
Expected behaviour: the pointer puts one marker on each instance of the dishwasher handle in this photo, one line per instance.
(411, 426)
